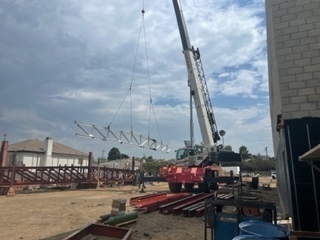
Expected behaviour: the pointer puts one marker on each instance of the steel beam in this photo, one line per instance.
(17, 176)
(187, 211)
(147, 198)
(152, 206)
(178, 209)
(168, 208)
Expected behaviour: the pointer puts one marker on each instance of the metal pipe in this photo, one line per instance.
(294, 178)
(4, 153)
(191, 121)
(314, 182)
(122, 218)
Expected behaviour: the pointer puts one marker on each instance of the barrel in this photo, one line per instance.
(263, 229)
(251, 237)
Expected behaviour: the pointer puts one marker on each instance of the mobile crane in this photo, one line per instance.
(196, 164)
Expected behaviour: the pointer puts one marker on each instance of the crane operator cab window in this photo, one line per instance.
(185, 152)
(191, 152)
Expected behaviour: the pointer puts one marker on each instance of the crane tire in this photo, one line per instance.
(175, 187)
(188, 186)
(214, 186)
(204, 187)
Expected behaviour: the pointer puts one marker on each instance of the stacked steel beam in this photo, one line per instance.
(152, 202)
(185, 203)
(176, 207)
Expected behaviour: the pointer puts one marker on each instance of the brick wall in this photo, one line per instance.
(293, 31)
(293, 41)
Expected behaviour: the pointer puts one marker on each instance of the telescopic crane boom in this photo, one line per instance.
(197, 165)
(198, 85)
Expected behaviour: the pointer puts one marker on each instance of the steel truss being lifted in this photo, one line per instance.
(109, 134)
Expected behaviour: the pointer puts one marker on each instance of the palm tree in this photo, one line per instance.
(244, 153)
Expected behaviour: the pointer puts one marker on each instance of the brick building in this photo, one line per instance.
(293, 40)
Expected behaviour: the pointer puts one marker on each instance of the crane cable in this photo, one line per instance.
(129, 92)
(131, 83)
(151, 108)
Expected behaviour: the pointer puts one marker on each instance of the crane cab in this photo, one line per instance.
(190, 157)
(184, 152)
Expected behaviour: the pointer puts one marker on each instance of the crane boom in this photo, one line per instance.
(196, 164)
(198, 85)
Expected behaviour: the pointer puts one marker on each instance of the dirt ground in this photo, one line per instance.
(57, 214)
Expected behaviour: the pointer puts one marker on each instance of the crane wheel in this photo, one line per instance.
(214, 186)
(188, 186)
(204, 187)
(175, 187)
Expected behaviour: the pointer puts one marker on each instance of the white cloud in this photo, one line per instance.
(20, 115)
(242, 82)
(73, 60)
(82, 95)
(249, 127)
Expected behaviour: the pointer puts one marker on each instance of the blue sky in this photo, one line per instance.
(63, 61)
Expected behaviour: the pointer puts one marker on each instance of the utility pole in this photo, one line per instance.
(98, 174)
(267, 153)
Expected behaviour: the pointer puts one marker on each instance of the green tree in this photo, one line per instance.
(153, 167)
(124, 156)
(114, 154)
(258, 165)
(244, 152)
(149, 159)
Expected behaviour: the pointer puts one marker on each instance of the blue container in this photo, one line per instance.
(263, 229)
(251, 237)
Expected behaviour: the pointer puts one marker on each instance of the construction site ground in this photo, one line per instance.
(56, 214)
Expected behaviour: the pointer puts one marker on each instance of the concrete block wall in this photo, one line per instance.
(293, 40)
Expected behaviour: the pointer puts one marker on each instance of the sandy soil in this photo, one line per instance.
(57, 214)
